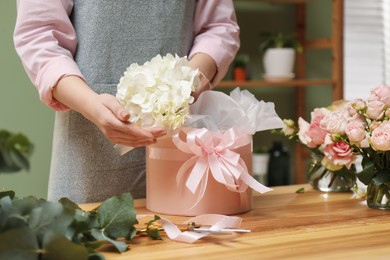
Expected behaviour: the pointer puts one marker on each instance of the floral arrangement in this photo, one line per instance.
(158, 93)
(364, 126)
(359, 127)
(317, 135)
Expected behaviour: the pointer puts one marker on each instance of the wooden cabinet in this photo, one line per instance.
(301, 82)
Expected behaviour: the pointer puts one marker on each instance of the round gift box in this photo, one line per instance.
(164, 195)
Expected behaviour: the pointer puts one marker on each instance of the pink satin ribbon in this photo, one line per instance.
(215, 221)
(213, 151)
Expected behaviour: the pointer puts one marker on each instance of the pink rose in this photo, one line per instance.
(374, 124)
(382, 94)
(318, 114)
(337, 155)
(289, 127)
(365, 143)
(358, 104)
(311, 135)
(355, 131)
(335, 122)
(338, 105)
(375, 109)
(380, 137)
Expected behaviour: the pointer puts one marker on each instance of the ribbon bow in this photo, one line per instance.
(213, 152)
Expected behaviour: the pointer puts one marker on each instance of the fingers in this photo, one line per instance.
(156, 131)
(130, 134)
(117, 109)
(112, 120)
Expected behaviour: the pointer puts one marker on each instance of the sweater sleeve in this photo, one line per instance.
(45, 41)
(216, 33)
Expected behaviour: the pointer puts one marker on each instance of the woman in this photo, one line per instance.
(75, 52)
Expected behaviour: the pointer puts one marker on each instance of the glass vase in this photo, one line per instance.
(378, 190)
(326, 180)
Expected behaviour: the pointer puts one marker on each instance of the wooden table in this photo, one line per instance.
(285, 225)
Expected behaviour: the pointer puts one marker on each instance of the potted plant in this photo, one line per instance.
(278, 50)
(240, 67)
(15, 152)
(260, 163)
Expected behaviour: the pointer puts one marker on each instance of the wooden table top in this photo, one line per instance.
(285, 225)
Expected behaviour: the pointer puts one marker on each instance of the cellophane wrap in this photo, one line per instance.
(206, 166)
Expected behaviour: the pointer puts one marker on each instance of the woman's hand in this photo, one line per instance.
(111, 118)
(105, 112)
(207, 69)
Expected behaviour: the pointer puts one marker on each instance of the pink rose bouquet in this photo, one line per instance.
(363, 128)
(368, 134)
(328, 154)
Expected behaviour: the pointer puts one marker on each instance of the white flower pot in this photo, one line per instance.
(260, 167)
(279, 63)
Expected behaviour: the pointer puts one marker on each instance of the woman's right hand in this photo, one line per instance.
(105, 112)
(112, 119)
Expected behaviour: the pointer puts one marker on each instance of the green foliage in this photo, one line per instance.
(368, 172)
(15, 151)
(241, 60)
(279, 40)
(153, 229)
(32, 228)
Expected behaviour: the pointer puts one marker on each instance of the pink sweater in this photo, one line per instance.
(46, 40)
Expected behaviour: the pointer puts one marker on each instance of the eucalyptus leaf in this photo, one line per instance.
(63, 229)
(57, 247)
(132, 234)
(19, 244)
(5, 203)
(68, 203)
(12, 222)
(80, 227)
(27, 204)
(50, 216)
(100, 235)
(8, 193)
(116, 216)
(96, 256)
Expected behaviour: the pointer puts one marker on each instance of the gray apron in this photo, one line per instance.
(112, 35)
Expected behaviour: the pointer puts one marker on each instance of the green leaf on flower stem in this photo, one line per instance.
(152, 229)
(19, 243)
(367, 173)
(300, 190)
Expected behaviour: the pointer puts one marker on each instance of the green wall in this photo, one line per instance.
(21, 110)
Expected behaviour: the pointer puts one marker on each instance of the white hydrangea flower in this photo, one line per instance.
(158, 93)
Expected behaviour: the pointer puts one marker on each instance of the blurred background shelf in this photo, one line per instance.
(302, 81)
(278, 83)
